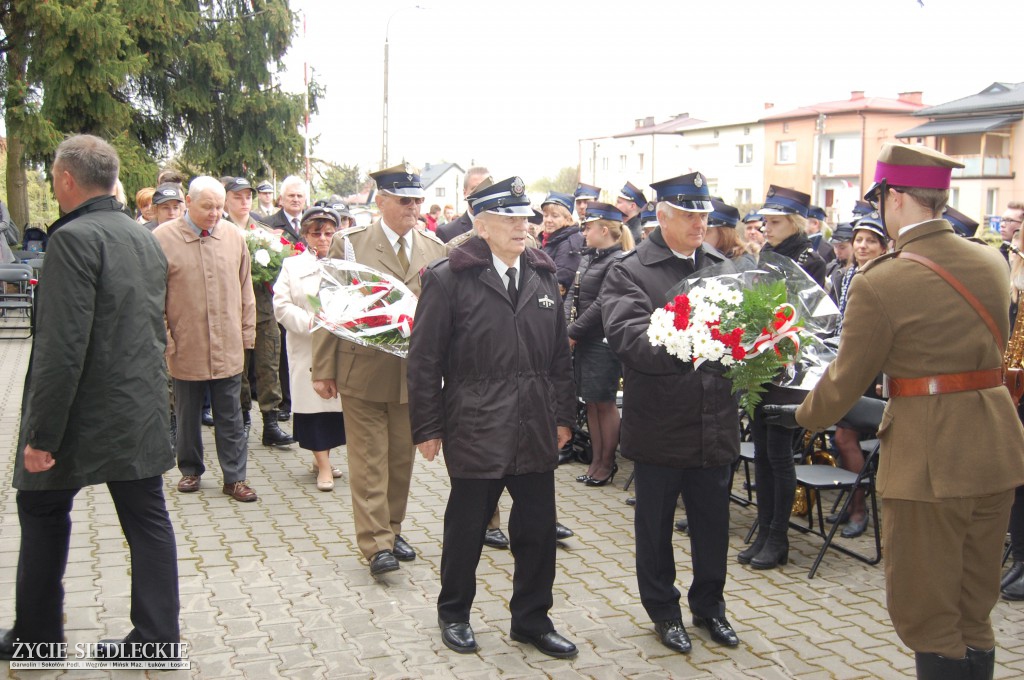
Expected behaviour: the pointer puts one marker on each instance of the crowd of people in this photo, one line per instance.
(523, 315)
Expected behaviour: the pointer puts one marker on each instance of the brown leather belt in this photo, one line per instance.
(946, 384)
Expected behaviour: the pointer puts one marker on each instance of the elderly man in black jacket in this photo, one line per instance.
(489, 376)
(98, 355)
(680, 426)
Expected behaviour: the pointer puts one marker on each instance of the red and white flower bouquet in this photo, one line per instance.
(362, 305)
(753, 326)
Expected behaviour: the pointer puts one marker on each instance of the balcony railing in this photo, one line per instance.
(983, 166)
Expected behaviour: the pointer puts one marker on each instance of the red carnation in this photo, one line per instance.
(738, 353)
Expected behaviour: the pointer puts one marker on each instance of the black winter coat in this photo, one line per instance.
(799, 249)
(672, 415)
(587, 325)
(491, 382)
(565, 247)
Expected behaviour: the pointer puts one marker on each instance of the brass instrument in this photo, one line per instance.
(804, 500)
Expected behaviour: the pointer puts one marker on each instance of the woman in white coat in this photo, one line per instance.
(317, 423)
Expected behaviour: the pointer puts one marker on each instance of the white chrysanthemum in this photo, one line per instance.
(276, 245)
(262, 257)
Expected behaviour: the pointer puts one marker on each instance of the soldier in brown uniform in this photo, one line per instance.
(372, 383)
(952, 446)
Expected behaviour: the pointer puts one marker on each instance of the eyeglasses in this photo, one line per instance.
(409, 200)
(879, 198)
(321, 234)
(1011, 220)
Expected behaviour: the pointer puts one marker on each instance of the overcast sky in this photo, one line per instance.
(514, 85)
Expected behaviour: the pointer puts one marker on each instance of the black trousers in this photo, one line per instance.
(531, 527)
(1017, 525)
(45, 518)
(705, 494)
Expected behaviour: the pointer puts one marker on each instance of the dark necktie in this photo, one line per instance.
(204, 233)
(295, 224)
(512, 292)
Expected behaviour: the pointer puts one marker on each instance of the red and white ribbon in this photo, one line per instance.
(771, 337)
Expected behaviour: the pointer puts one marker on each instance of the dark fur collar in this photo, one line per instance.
(475, 253)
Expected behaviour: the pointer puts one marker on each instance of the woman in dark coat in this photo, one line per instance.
(561, 238)
(489, 376)
(597, 368)
(774, 468)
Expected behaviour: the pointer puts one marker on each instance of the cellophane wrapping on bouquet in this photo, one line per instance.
(756, 326)
(365, 306)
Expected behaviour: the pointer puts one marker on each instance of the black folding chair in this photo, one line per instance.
(16, 305)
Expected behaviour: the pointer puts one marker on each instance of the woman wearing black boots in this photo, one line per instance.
(785, 211)
(597, 368)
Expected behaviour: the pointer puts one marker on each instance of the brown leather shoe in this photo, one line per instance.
(188, 484)
(241, 492)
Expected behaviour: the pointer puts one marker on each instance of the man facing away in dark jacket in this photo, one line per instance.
(680, 426)
(98, 354)
(489, 375)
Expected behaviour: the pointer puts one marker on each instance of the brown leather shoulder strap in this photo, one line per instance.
(958, 287)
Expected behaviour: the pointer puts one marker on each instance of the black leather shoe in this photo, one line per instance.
(207, 417)
(721, 631)
(683, 525)
(937, 667)
(6, 644)
(562, 532)
(583, 478)
(1015, 571)
(1014, 590)
(982, 663)
(382, 563)
(631, 500)
(551, 644)
(273, 435)
(402, 550)
(284, 415)
(496, 538)
(458, 637)
(673, 635)
(838, 518)
(855, 528)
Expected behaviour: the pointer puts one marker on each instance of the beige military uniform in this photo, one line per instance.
(949, 462)
(374, 396)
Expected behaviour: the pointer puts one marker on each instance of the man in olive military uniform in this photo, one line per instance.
(372, 383)
(267, 353)
(952, 444)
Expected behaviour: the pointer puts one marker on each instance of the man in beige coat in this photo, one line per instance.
(372, 383)
(952, 445)
(211, 321)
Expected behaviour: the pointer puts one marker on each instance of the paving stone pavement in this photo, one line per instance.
(277, 589)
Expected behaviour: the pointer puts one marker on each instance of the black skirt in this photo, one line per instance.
(597, 371)
(319, 431)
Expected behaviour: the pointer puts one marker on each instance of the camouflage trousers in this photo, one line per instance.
(266, 356)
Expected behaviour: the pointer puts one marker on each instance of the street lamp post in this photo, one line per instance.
(384, 136)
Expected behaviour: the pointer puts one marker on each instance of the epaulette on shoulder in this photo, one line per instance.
(461, 238)
(623, 256)
(975, 239)
(881, 258)
(432, 236)
(348, 231)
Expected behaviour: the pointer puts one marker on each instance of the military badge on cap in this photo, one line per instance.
(518, 187)
(698, 181)
(507, 197)
(686, 192)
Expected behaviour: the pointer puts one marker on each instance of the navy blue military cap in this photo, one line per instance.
(752, 216)
(962, 224)
(565, 200)
(239, 184)
(401, 180)
(649, 216)
(782, 201)
(587, 192)
(265, 187)
(843, 233)
(872, 223)
(861, 208)
(319, 212)
(537, 218)
(603, 211)
(686, 192)
(631, 193)
(816, 213)
(507, 197)
(168, 191)
(723, 214)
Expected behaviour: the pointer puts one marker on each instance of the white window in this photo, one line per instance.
(439, 192)
(954, 197)
(745, 154)
(622, 162)
(742, 196)
(640, 161)
(604, 162)
(785, 152)
(992, 201)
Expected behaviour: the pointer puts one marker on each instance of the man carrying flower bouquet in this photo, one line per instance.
(372, 382)
(680, 426)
